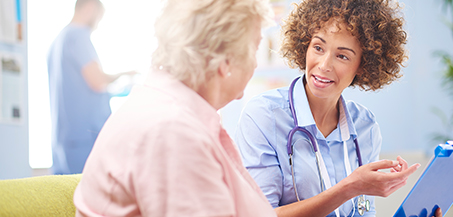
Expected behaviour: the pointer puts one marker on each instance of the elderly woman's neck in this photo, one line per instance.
(211, 92)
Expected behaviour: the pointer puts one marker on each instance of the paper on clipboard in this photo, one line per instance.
(434, 188)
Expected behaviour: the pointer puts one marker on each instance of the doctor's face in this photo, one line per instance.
(333, 60)
(97, 14)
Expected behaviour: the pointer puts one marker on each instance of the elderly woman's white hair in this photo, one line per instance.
(194, 36)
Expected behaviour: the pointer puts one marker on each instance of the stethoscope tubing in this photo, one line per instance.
(301, 129)
(310, 136)
(357, 150)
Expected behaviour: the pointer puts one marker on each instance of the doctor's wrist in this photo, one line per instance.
(349, 188)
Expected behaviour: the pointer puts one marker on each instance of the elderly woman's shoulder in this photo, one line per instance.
(140, 118)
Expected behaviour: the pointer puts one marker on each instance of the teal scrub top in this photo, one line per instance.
(77, 112)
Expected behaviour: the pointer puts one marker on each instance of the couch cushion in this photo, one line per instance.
(38, 196)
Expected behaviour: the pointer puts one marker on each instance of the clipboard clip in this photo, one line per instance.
(444, 150)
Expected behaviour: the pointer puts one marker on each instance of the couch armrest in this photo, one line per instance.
(39, 196)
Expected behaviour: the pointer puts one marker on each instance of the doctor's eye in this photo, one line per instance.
(343, 57)
(318, 48)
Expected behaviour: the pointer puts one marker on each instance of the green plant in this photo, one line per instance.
(447, 83)
(447, 125)
(447, 74)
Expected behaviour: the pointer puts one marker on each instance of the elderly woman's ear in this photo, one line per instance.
(224, 70)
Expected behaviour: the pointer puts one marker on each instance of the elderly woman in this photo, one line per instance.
(164, 152)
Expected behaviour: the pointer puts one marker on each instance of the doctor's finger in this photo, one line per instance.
(382, 164)
(402, 162)
(396, 169)
(397, 178)
(404, 174)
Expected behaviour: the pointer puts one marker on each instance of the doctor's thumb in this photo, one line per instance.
(411, 169)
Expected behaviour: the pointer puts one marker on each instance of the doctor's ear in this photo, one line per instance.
(359, 70)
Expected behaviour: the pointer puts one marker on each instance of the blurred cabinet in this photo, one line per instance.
(14, 150)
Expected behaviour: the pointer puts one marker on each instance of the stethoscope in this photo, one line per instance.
(363, 205)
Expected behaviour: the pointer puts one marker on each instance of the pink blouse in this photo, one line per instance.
(165, 153)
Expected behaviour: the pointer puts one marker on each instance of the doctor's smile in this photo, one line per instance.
(320, 82)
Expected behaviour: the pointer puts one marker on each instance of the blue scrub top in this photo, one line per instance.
(262, 134)
(77, 112)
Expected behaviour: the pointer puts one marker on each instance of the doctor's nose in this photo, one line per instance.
(325, 64)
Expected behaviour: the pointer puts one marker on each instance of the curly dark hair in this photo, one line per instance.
(377, 24)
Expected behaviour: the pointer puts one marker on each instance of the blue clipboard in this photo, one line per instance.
(434, 188)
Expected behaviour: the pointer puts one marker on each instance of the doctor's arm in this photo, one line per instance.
(366, 179)
(96, 79)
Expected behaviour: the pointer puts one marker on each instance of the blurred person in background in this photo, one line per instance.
(78, 89)
(165, 152)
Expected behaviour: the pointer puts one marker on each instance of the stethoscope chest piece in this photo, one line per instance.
(363, 205)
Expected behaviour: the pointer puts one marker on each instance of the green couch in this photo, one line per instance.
(38, 196)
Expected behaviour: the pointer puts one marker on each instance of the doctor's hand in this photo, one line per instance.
(368, 180)
(402, 165)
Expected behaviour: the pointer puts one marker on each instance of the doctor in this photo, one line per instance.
(304, 144)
